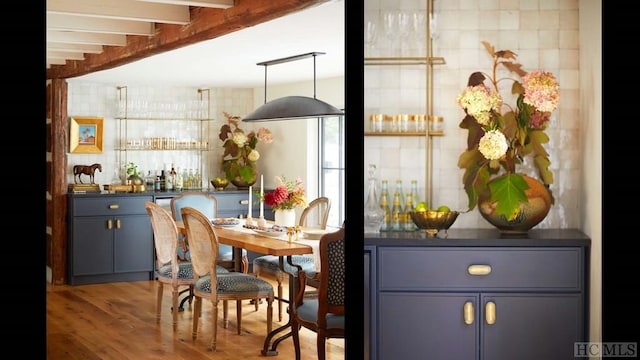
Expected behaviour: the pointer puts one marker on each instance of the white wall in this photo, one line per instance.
(591, 147)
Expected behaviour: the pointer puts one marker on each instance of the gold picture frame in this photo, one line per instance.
(85, 135)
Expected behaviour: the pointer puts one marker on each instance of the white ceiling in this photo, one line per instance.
(230, 60)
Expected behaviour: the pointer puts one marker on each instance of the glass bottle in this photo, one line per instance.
(396, 213)
(409, 225)
(401, 215)
(384, 204)
(179, 180)
(373, 213)
(149, 180)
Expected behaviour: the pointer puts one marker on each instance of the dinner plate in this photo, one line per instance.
(270, 232)
(225, 222)
(314, 234)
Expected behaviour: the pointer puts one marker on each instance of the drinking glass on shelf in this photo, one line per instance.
(390, 26)
(404, 28)
(370, 37)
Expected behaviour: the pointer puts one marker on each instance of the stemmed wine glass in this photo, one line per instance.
(370, 37)
(390, 26)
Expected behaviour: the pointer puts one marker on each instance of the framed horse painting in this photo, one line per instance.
(85, 135)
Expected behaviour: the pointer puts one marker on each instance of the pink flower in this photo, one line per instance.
(541, 90)
(287, 195)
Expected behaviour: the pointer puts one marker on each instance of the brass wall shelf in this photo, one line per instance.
(389, 133)
(425, 60)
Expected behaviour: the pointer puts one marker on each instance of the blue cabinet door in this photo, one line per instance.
(133, 244)
(532, 326)
(427, 326)
(91, 246)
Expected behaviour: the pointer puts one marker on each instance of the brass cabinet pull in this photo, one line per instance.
(490, 312)
(244, 202)
(479, 269)
(109, 224)
(468, 313)
(114, 206)
(118, 224)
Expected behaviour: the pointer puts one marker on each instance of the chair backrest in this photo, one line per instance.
(203, 242)
(332, 277)
(316, 214)
(203, 202)
(165, 234)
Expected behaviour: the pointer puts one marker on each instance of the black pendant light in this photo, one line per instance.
(292, 107)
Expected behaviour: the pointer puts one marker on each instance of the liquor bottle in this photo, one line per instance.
(409, 225)
(396, 213)
(373, 214)
(401, 220)
(163, 181)
(168, 184)
(414, 192)
(174, 176)
(384, 204)
(179, 180)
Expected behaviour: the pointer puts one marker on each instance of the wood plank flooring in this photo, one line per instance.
(117, 321)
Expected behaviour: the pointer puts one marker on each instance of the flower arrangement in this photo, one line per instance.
(287, 195)
(240, 154)
(501, 136)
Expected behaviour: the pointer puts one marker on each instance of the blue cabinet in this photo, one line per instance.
(478, 298)
(110, 236)
(110, 239)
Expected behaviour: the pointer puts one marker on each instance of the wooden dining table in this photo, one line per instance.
(240, 238)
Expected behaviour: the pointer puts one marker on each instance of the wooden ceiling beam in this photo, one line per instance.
(206, 24)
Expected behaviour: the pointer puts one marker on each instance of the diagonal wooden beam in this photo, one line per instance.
(206, 24)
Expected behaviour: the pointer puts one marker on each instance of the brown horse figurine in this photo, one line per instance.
(78, 170)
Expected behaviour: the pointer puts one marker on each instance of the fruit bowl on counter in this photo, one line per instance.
(432, 221)
(219, 183)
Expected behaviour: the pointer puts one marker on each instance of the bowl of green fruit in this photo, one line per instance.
(432, 221)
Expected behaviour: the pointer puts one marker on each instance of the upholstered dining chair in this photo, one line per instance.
(169, 270)
(203, 244)
(315, 215)
(325, 312)
(208, 205)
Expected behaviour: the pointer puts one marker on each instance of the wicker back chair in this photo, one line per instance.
(325, 312)
(169, 270)
(203, 243)
(208, 205)
(316, 212)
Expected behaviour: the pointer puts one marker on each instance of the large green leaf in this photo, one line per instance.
(508, 191)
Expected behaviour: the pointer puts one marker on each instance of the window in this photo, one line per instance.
(332, 171)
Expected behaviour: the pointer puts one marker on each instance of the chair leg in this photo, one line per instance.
(197, 307)
(225, 314)
(239, 315)
(245, 264)
(295, 328)
(320, 343)
(174, 307)
(159, 301)
(269, 313)
(214, 324)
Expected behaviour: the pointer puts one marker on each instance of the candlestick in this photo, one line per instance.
(261, 196)
(250, 203)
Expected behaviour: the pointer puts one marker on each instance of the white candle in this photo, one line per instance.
(250, 203)
(261, 196)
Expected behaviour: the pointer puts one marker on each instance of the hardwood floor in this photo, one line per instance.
(117, 321)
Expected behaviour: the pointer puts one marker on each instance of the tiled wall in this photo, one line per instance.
(96, 99)
(544, 34)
